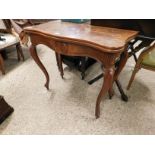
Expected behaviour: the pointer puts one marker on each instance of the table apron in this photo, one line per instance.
(74, 49)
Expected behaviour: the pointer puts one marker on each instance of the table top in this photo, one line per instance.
(99, 37)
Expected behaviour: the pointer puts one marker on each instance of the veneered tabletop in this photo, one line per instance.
(110, 39)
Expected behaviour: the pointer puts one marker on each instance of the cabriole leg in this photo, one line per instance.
(34, 55)
(107, 84)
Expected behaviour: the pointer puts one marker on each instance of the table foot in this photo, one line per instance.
(97, 116)
(62, 76)
(82, 75)
(111, 93)
(47, 86)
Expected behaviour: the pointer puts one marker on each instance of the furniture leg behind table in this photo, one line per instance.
(20, 52)
(123, 59)
(2, 64)
(59, 63)
(119, 66)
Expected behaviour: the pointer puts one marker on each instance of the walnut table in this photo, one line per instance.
(101, 43)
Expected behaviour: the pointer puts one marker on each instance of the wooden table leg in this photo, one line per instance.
(2, 65)
(122, 62)
(34, 55)
(56, 56)
(111, 92)
(83, 67)
(59, 63)
(20, 52)
(107, 84)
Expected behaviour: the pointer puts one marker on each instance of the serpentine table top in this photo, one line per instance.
(101, 43)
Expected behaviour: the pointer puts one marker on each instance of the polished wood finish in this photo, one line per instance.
(101, 38)
(101, 43)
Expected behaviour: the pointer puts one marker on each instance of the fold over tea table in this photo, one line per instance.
(101, 43)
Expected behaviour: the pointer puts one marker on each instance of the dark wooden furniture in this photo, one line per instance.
(146, 60)
(79, 63)
(144, 26)
(146, 36)
(9, 41)
(19, 24)
(101, 43)
(5, 109)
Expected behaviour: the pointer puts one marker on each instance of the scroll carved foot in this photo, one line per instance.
(34, 55)
(108, 80)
